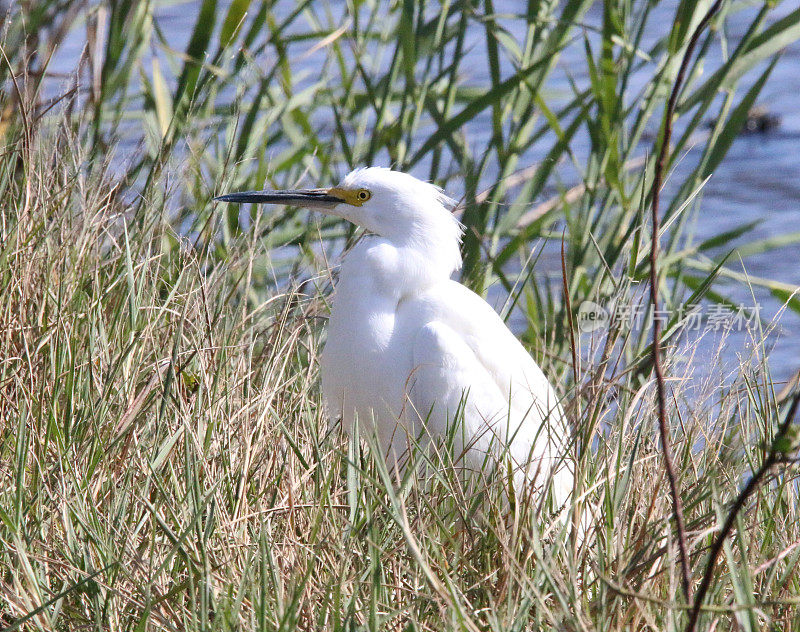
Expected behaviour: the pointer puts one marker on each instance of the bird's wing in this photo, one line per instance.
(465, 356)
(449, 384)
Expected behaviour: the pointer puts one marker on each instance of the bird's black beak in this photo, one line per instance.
(320, 199)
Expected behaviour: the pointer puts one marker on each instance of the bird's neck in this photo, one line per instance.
(381, 267)
(433, 239)
(437, 256)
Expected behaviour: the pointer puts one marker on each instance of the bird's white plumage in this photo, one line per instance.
(407, 347)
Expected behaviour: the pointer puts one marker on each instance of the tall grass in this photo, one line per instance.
(164, 460)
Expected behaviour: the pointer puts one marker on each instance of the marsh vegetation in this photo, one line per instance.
(164, 459)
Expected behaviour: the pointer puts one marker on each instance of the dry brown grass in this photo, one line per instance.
(164, 461)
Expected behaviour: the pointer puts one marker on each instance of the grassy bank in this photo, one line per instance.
(164, 460)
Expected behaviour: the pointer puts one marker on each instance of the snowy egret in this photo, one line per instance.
(409, 350)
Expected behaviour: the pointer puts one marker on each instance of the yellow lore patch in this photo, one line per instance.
(353, 197)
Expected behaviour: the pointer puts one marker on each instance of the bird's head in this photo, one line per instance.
(391, 204)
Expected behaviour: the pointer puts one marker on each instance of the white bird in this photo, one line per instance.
(409, 350)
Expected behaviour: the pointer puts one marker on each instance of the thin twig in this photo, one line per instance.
(658, 178)
(773, 457)
(568, 307)
(573, 348)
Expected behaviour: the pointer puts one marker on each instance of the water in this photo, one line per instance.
(759, 179)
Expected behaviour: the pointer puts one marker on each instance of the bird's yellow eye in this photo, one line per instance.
(363, 195)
